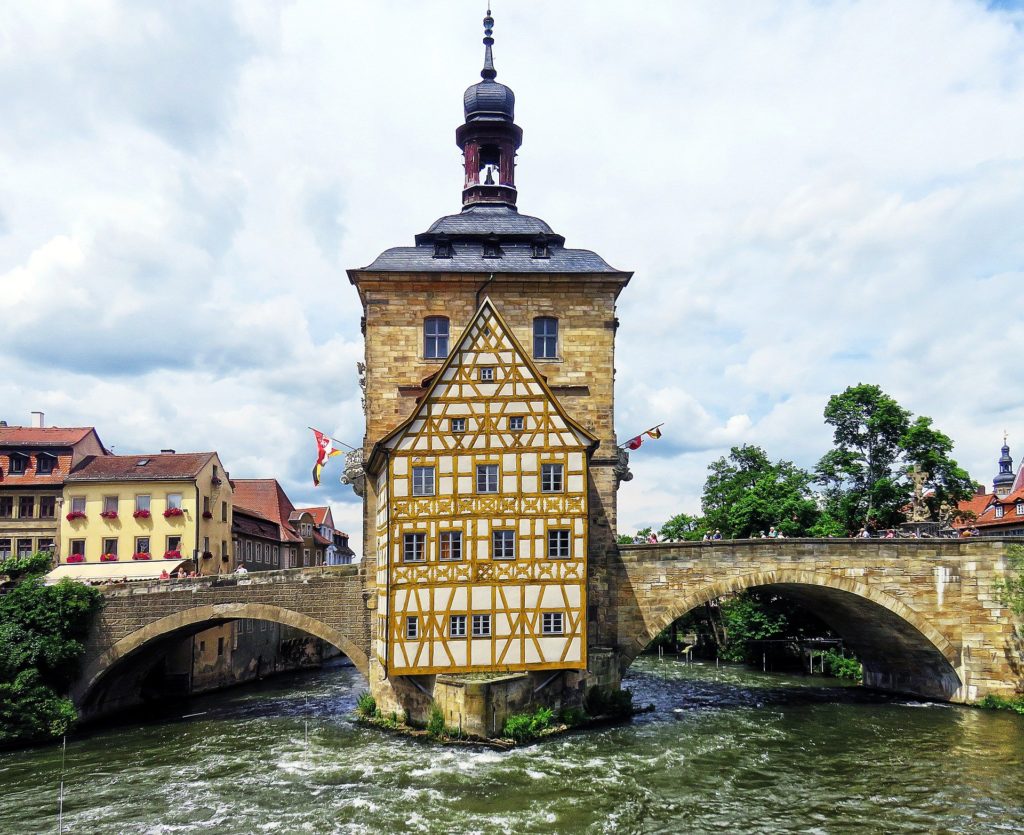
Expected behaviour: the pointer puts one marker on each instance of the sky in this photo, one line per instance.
(811, 195)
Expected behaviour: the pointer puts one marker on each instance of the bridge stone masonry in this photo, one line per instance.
(924, 616)
(327, 602)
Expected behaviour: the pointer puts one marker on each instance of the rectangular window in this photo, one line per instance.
(277, 557)
(487, 478)
(142, 502)
(515, 424)
(45, 464)
(174, 500)
(174, 543)
(435, 337)
(412, 627)
(457, 626)
(78, 504)
(487, 374)
(451, 546)
(142, 545)
(26, 507)
(558, 545)
(6, 507)
(224, 549)
(206, 506)
(78, 547)
(5, 549)
(110, 504)
(1020, 508)
(481, 626)
(999, 511)
(551, 623)
(110, 546)
(458, 425)
(18, 463)
(503, 545)
(45, 545)
(223, 511)
(24, 547)
(423, 481)
(305, 556)
(545, 338)
(206, 545)
(47, 507)
(248, 549)
(551, 478)
(414, 547)
(220, 646)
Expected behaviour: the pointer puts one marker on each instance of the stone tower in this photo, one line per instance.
(1002, 484)
(487, 291)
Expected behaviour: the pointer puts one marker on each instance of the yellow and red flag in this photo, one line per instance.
(324, 450)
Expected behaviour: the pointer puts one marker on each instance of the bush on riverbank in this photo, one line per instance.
(42, 637)
(526, 726)
(366, 705)
(1016, 704)
(839, 666)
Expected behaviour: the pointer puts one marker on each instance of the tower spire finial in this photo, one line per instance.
(488, 72)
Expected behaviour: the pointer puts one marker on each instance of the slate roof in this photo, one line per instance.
(487, 220)
(162, 467)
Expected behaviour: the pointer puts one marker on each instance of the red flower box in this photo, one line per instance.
(173, 511)
(207, 514)
(172, 555)
(108, 557)
(75, 514)
(76, 558)
(142, 556)
(142, 514)
(108, 514)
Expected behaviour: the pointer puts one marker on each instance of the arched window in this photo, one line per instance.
(435, 337)
(545, 338)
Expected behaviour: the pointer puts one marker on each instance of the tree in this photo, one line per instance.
(745, 493)
(42, 637)
(683, 526)
(875, 445)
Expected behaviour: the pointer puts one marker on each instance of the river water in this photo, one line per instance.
(727, 750)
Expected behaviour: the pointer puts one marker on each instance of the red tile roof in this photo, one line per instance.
(320, 540)
(162, 467)
(46, 436)
(986, 516)
(319, 513)
(267, 498)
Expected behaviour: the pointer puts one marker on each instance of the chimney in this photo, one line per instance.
(3, 423)
(38, 420)
(167, 452)
(979, 490)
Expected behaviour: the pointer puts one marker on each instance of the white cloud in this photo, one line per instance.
(811, 195)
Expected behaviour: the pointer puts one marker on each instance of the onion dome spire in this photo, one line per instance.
(488, 72)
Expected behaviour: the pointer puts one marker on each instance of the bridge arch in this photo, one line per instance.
(899, 648)
(197, 618)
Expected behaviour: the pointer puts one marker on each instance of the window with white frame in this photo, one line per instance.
(1020, 508)
(78, 504)
(551, 480)
(486, 374)
(450, 546)
(558, 544)
(487, 478)
(174, 500)
(412, 627)
(457, 626)
(458, 425)
(481, 626)
(142, 501)
(423, 481)
(414, 547)
(503, 545)
(999, 511)
(516, 423)
(552, 623)
(110, 504)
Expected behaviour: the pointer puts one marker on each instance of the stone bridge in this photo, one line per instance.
(923, 615)
(327, 602)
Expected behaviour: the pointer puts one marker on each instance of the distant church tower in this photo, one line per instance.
(490, 453)
(1002, 484)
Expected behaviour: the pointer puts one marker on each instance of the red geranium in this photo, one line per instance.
(108, 557)
(109, 514)
(207, 514)
(76, 557)
(75, 514)
(141, 514)
(173, 511)
(172, 555)
(142, 555)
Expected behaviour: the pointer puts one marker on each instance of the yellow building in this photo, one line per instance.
(482, 518)
(135, 515)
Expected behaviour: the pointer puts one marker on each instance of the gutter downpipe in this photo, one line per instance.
(483, 287)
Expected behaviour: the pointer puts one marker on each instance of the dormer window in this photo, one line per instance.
(443, 247)
(999, 511)
(45, 463)
(540, 247)
(18, 463)
(492, 247)
(1020, 508)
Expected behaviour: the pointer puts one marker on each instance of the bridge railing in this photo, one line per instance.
(281, 575)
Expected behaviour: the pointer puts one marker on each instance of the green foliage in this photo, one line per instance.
(617, 703)
(435, 723)
(839, 666)
(42, 636)
(525, 726)
(366, 705)
(875, 444)
(747, 619)
(683, 527)
(746, 494)
(573, 716)
(992, 702)
(1011, 587)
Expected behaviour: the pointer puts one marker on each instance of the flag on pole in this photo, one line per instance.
(654, 433)
(634, 443)
(324, 450)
